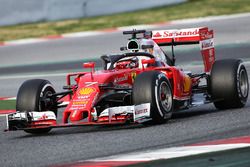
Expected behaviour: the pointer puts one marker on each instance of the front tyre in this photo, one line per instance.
(154, 87)
(229, 84)
(32, 96)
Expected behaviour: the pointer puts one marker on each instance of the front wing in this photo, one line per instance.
(111, 116)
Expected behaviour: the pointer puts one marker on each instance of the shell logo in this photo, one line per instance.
(86, 91)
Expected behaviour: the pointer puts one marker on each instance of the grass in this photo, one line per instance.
(7, 104)
(190, 9)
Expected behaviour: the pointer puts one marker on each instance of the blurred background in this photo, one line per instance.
(15, 11)
(30, 18)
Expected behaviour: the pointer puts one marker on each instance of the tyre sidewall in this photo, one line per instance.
(30, 94)
(162, 114)
(225, 84)
(146, 90)
(242, 99)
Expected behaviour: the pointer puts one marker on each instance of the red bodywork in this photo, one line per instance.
(88, 91)
(89, 88)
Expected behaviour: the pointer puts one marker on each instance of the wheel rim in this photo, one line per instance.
(165, 96)
(243, 83)
(43, 103)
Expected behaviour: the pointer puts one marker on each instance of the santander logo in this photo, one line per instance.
(175, 33)
(157, 35)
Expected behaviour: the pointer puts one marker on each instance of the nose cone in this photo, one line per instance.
(76, 115)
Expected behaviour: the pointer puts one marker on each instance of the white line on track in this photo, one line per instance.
(82, 34)
(25, 41)
(32, 75)
(210, 18)
(168, 153)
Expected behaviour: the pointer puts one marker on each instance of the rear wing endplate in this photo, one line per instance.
(200, 35)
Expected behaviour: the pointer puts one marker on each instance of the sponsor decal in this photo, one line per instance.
(43, 117)
(157, 35)
(83, 97)
(117, 110)
(77, 108)
(86, 91)
(121, 79)
(40, 116)
(142, 111)
(79, 102)
(207, 44)
(175, 33)
(133, 76)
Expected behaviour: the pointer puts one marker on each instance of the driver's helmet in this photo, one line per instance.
(134, 63)
(152, 48)
(147, 45)
(128, 63)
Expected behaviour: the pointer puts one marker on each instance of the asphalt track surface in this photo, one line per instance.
(73, 144)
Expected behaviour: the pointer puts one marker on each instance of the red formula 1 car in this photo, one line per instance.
(141, 85)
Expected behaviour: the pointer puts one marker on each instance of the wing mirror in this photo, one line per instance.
(90, 65)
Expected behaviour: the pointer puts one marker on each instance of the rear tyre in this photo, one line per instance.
(31, 97)
(153, 87)
(229, 84)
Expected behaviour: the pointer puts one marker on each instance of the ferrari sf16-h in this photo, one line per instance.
(140, 85)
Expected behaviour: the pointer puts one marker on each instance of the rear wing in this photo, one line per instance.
(200, 35)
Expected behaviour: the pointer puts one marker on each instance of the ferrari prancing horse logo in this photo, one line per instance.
(133, 76)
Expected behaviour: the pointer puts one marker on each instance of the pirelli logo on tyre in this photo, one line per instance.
(86, 91)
